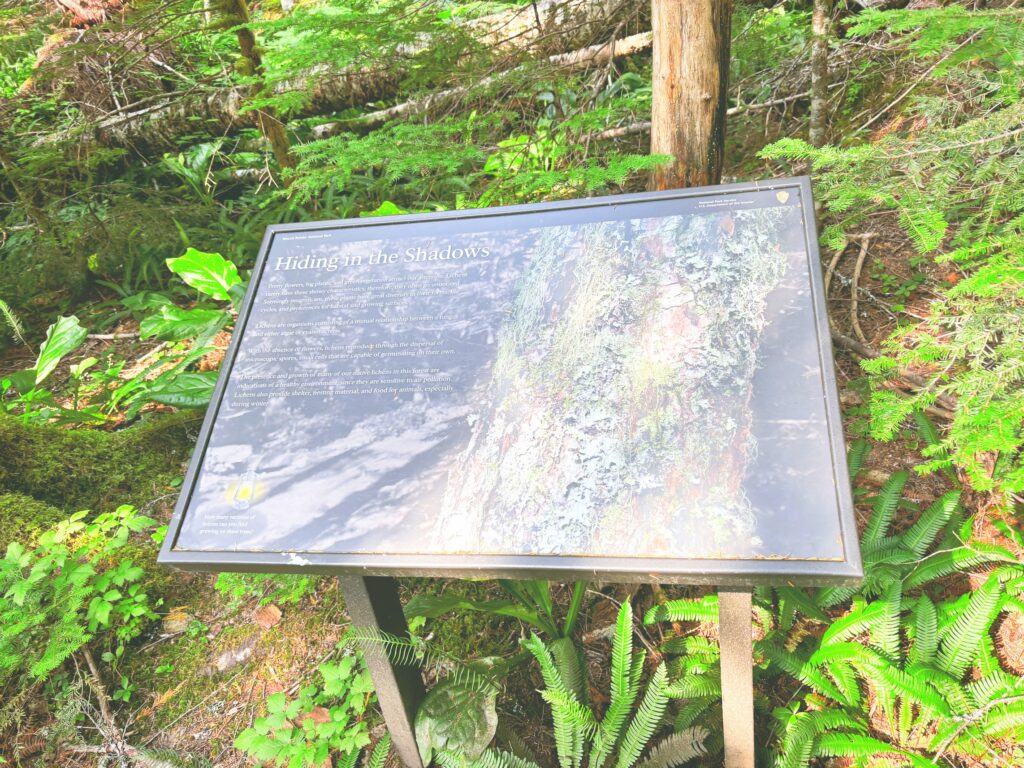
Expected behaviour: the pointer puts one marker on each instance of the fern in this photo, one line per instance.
(884, 508)
(13, 322)
(924, 530)
(959, 644)
(676, 749)
(699, 609)
(646, 721)
(623, 686)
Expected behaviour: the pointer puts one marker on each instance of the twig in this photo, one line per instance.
(864, 239)
(645, 125)
(831, 269)
(112, 336)
(101, 691)
(594, 54)
(968, 720)
(945, 404)
(917, 82)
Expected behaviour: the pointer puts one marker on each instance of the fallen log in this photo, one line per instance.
(152, 126)
(585, 57)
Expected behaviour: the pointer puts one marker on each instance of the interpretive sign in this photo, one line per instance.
(638, 386)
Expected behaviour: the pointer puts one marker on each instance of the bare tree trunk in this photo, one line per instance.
(819, 71)
(236, 14)
(690, 80)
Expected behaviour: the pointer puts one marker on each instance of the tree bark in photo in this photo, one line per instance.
(820, 18)
(690, 81)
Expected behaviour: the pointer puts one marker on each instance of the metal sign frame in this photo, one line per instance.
(721, 572)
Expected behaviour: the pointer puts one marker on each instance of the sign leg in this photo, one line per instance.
(735, 637)
(372, 603)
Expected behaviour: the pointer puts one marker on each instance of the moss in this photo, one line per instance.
(23, 518)
(90, 469)
(466, 634)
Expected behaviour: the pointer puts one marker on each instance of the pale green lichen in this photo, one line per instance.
(617, 418)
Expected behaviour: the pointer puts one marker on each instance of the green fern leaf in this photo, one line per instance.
(646, 721)
(676, 749)
(959, 644)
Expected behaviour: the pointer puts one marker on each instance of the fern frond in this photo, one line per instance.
(13, 322)
(923, 531)
(676, 749)
(623, 689)
(951, 561)
(698, 609)
(861, 746)
(855, 456)
(646, 721)
(692, 711)
(496, 758)
(959, 643)
(885, 630)
(379, 755)
(884, 507)
(925, 629)
(570, 666)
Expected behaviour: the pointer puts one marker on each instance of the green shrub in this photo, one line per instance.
(321, 721)
(955, 179)
(69, 591)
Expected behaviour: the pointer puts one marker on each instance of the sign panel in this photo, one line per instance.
(634, 387)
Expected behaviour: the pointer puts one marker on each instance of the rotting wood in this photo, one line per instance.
(572, 60)
(152, 126)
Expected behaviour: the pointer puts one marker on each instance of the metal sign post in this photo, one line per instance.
(735, 637)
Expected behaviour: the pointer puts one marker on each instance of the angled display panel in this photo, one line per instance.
(637, 387)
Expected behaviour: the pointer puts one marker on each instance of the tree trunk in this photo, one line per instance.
(690, 80)
(819, 71)
(236, 14)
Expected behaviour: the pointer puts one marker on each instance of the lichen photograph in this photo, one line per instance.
(642, 381)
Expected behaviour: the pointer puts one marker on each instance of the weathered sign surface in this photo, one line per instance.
(636, 386)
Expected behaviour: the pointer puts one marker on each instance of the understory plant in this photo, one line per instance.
(952, 170)
(635, 713)
(73, 590)
(94, 392)
(531, 603)
(891, 671)
(322, 721)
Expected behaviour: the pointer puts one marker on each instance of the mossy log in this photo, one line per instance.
(90, 469)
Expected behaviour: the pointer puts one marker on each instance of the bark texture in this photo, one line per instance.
(820, 18)
(621, 393)
(690, 81)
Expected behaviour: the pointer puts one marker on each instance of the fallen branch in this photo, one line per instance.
(153, 125)
(645, 125)
(864, 240)
(945, 405)
(602, 53)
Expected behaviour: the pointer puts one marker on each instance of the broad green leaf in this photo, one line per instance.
(456, 717)
(62, 337)
(173, 323)
(432, 606)
(208, 273)
(185, 390)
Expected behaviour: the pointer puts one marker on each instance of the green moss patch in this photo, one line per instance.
(24, 518)
(89, 469)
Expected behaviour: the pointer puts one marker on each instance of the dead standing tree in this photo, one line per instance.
(690, 81)
(819, 71)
